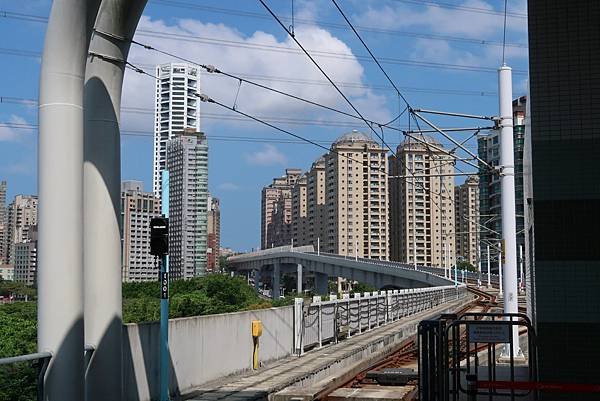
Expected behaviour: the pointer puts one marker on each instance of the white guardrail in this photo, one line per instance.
(331, 321)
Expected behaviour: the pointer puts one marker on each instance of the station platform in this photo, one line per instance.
(301, 378)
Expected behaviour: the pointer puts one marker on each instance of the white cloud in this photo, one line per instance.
(283, 61)
(267, 156)
(9, 134)
(446, 21)
(228, 186)
(457, 23)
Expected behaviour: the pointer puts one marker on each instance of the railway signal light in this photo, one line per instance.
(159, 236)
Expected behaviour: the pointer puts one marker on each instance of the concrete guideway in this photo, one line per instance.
(327, 366)
(378, 273)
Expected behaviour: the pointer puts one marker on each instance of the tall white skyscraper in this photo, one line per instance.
(188, 204)
(177, 107)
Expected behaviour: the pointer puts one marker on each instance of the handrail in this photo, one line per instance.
(24, 358)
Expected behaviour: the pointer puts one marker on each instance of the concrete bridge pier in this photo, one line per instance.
(321, 283)
(276, 290)
(299, 279)
(257, 279)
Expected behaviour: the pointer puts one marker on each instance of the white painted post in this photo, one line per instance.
(320, 326)
(489, 272)
(500, 268)
(318, 245)
(507, 188)
(298, 325)
(479, 265)
(522, 281)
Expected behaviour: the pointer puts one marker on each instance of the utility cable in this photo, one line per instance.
(371, 53)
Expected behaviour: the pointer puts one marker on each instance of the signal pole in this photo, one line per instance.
(507, 187)
(164, 300)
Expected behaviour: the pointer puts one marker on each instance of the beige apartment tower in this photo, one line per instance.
(276, 210)
(356, 189)
(466, 203)
(422, 204)
(299, 211)
(316, 217)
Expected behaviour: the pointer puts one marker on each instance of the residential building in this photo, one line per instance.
(562, 198)
(187, 162)
(214, 234)
(356, 198)
(3, 224)
(137, 209)
(315, 204)
(177, 108)
(299, 211)
(25, 258)
(466, 205)
(489, 184)
(21, 217)
(422, 204)
(276, 210)
(7, 272)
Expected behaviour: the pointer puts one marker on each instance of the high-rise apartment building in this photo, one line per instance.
(25, 258)
(341, 204)
(356, 198)
(214, 234)
(422, 204)
(137, 209)
(22, 216)
(3, 224)
(562, 199)
(466, 205)
(299, 211)
(276, 210)
(488, 147)
(315, 204)
(177, 107)
(187, 162)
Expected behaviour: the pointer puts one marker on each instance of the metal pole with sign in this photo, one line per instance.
(164, 300)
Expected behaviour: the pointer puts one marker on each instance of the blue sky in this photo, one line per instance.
(409, 36)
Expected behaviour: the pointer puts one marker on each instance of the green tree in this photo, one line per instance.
(464, 265)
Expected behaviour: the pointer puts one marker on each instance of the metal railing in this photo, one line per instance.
(464, 357)
(331, 321)
(40, 362)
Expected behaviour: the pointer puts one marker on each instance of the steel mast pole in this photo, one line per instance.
(507, 187)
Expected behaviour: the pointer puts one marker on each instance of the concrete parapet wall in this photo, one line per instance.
(202, 348)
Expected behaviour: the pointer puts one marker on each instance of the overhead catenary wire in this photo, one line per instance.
(300, 81)
(327, 54)
(333, 25)
(390, 80)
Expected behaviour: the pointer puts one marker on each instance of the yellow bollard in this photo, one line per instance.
(256, 333)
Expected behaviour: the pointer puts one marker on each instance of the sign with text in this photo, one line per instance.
(164, 285)
(489, 333)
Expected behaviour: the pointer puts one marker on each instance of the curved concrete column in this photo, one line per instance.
(108, 51)
(60, 190)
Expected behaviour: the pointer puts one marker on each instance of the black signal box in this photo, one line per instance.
(159, 236)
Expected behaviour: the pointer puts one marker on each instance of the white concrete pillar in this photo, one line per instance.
(60, 190)
(299, 279)
(117, 20)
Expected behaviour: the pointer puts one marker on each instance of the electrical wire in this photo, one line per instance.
(328, 24)
(327, 54)
(371, 54)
